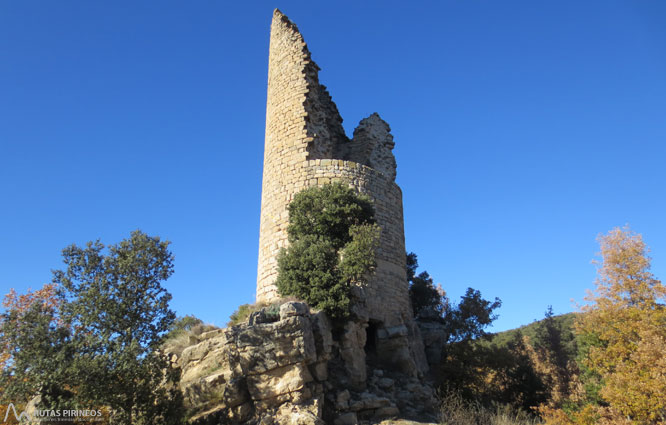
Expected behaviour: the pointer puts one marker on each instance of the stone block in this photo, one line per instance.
(292, 308)
(278, 381)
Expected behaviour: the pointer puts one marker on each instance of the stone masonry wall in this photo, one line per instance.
(305, 145)
(386, 294)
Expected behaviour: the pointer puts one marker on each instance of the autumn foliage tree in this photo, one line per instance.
(31, 339)
(624, 327)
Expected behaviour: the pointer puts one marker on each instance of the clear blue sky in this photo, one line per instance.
(523, 130)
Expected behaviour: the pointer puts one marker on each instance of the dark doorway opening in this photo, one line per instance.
(371, 338)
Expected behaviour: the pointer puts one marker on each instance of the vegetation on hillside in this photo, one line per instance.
(622, 342)
(603, 365)
(182, 332)
(564, 322)
(95, 337)
(473, 370)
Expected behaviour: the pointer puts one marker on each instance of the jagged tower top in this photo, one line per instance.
(306, 145)
(294, 88)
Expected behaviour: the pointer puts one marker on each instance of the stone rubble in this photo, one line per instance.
(289, 369)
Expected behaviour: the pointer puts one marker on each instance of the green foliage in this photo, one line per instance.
(183, 324)
(422, 292)
(489, 374)
(412, 263)
(520, 383)
(242, 313)
(564, 322)
(103, 342)
(555, 348)
(178, 338)
(475, 370)
(468, 320)
(333, 238)
(423, 295)
(481, 372)
(328, 211)
(33, 342)
(358, 255)
(590, 379)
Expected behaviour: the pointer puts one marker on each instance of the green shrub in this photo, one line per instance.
(182, 325)
(243, 312)
(333, 238)
(423, 294)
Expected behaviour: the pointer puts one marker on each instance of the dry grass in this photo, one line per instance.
(457, 411)
(180, 340)
(243, 312)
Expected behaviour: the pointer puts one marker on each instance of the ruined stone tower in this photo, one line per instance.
(306, 145)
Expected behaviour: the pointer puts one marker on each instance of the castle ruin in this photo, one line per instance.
(294, 366)
(306, 145)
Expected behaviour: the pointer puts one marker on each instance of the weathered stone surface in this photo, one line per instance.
(279, 372)
(198, 350)
(300, 414)
(372, 145)
(211, 334)
(386, 412)
(321, 329)
(369, 401)
(385, 383)
(257, 367)
(346, 419)
(209, 359)
(268, 346)
(293, 309)
(278, 381)
(394, 353)
(434, 337)
(353, 353)
(320, 371)
(342, 400)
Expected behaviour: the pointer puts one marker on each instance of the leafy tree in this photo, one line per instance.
(412, 263)
(33, 341)
(333, 238)
(469, 319)
(423, 294)
(624, 329)
(329, 212)
(468, 366)
(120, 313)
(96, 343)
(554, 359)
(519, 382)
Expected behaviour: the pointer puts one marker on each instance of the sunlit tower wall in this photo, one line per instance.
(306, 145)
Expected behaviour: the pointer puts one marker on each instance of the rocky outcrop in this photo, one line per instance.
(291, 366)
(433, 334)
